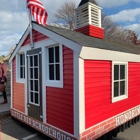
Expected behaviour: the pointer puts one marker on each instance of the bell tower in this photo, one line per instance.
(88, 19)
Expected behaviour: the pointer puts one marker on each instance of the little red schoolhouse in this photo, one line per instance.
(75, 85)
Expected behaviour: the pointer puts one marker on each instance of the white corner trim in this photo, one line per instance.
(62, 40)
(19, 44)
(11, 85)
(25, 86)
(76, 94)
(81, 96)
(44, 109)
(101, 54)
(116, 99)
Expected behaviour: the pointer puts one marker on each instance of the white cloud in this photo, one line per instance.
(13, 22)
(126, 15)
(112, 3)
(12, 5)
(12, 26)
(8, 42)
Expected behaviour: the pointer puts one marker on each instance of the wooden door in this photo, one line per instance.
(34, 83)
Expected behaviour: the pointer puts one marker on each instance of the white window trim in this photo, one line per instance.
(115, 99)
(18, 79)
(55, 83)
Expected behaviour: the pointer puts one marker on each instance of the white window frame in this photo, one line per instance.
(122, 97)
(54, 83)
(18, 79)
(29, 74)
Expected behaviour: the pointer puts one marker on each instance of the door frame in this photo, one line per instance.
(34, 110)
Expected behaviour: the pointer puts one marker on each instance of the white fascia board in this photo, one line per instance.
(101, 54)
(40, 44)
(19, 44)
(62, 40)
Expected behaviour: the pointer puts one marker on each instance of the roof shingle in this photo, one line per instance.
(88, 41)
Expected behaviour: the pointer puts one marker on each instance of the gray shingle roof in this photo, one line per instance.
(88, 41)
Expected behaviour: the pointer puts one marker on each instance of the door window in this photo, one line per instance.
(33, 67)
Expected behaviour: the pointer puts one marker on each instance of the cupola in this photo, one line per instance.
(88, 19)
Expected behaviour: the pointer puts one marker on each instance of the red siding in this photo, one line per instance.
(18, 91)
(98, 105)
(36, 37)
(91, 30)
(60, 100)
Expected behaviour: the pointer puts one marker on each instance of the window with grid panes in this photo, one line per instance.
(119, 84)
(22, 66)
(54, 63)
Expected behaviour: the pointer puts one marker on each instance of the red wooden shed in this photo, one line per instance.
(75, 85)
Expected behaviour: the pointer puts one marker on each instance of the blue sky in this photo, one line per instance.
(14, 17)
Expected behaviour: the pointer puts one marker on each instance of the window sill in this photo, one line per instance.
(58, 84)
(22, 81)
(116, 99)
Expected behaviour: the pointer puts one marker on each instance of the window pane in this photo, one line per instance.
(57, 54)
(51, 72)
(57, 72)
(31, 73)
(36, 85)
(31, 61)
(21, 60)
(122, 88)
(21, 72)
(122, 72)
(51, 55)
(31, 85)
(36, 60)
(23, 57)
(116, 87)
(36, 98)
(31, 96)
(36, 73)
(116, 72)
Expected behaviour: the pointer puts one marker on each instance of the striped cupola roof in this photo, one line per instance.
(86, 1)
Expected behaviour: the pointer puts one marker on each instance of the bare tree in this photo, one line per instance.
(11, 49)
(65, 15)
(117, 32)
